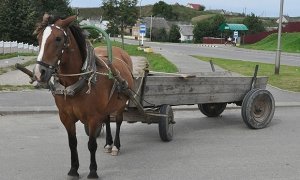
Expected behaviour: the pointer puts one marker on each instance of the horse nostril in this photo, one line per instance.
(43, 72)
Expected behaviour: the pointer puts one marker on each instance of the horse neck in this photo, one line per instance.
(71, 62)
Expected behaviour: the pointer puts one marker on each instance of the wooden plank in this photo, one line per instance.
(174, 91)
(186, 99)
(140, 64)
(193, 89)
(163, 80)
(198, 74)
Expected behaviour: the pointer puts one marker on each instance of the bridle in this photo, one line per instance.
(53, 68)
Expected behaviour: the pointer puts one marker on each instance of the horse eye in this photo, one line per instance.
(58, 39)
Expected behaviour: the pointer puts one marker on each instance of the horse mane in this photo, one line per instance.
(76, 31)
(80, 40)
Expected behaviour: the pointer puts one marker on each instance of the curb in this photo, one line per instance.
(54, 110)
(28, 110)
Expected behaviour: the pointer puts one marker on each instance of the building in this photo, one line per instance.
(154, 23)
(194, 6)
(186, 33)
(95, 22)
(287, 19)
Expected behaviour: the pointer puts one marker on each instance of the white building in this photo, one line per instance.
(186, 33)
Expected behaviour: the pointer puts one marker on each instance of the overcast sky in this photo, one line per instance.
(269, 8)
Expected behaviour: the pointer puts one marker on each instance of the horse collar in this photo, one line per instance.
(86, 78)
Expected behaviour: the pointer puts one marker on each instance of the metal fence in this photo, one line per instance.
(7, 47)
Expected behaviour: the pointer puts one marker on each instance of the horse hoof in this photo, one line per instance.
(107, 149)
(115, 151)
(93, 175)
(73, 173)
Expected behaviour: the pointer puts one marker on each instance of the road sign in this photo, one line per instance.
(143, 29)
(235, 34)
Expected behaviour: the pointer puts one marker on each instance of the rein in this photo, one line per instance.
(88, 74)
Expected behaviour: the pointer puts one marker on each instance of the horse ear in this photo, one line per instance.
(46, 17)
(66, 22)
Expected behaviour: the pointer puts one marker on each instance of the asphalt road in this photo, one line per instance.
(35, 147)
(221, 51)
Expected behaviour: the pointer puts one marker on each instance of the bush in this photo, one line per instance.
(174, 35)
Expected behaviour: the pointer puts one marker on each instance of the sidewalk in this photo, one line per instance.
(41, 101)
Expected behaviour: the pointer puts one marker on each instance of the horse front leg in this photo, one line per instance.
(117, 145)
(71, 129)
(74, 154)
(92, 146)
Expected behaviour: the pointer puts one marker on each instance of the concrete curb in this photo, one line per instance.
(28, 110)
(54, 110)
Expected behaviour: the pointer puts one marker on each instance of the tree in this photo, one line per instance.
(159, 34)
(202, 29)
(162, 9)
(201, 8)
(254, 24)
(174, 34)
(18, 18)
(59, 8)
(17, 21)
(120, 13)
(208, 28)
(215, 23)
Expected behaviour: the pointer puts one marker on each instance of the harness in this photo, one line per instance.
(88, 75)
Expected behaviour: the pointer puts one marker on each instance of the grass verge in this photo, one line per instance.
(15, 88)
(156, 61)
(12, 67)
(11, 55)
(288, 78)
(290, 43)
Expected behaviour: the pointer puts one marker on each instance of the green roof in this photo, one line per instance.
(233, 27)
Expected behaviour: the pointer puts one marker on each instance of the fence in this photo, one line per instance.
(7, 47)
(253, 38)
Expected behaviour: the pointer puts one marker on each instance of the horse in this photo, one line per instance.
(83, 83)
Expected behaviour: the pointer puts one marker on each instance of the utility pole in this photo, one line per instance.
(140, 21)
(141, 9)
(278, 51)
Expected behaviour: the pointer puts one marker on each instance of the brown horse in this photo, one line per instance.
(82, 90)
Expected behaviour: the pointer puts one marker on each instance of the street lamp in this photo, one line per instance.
(278, 51)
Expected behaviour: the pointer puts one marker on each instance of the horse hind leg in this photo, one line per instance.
(116, 147)
(109, 139)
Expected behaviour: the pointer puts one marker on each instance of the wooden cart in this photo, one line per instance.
(155, 94)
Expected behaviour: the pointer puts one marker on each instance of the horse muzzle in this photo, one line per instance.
(42, 73)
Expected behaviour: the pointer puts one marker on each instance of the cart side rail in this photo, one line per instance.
(197, 90)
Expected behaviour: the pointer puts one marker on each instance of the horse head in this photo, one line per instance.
(53, 40)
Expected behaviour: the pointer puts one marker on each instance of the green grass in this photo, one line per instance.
(156, 61)
(15, 88)
(12, 67)
(287, 79)
(11, 55)
(290, 43)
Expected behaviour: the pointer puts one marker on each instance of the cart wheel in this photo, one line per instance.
(212, 109)
(166, 123)
(86, 128)
(258, 108)
(249, 93)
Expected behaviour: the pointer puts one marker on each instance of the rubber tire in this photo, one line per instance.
(99, 129)
(212, 109)
(246, 97)
(165, 125)
(258, 109)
